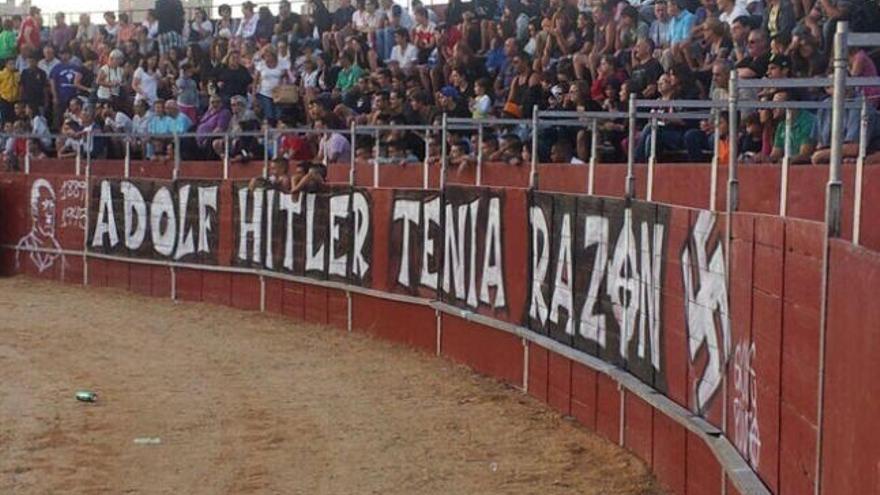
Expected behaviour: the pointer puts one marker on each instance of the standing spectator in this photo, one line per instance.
(248, 26)
(187, 92)
(63, 80)
(233, 79)
(61, 33)
(110, 30)
(49, 60)
(86, 32)
(29, 36)
(125, 31)
(145, 81)
(8, 40)
(779, 18)
(659, 29)
(226, 26)
(34, 85)
(109, 78)
(270, 74)
(170, 19)
(200, 29)
(10, 81)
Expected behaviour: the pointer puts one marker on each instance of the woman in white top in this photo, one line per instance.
(269, 75)
(109, 78)
(145, 81)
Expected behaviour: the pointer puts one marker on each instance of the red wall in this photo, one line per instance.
(773, 374)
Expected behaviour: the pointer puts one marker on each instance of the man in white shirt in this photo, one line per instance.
(404, 53)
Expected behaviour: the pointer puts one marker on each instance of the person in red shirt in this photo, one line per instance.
(29, 34)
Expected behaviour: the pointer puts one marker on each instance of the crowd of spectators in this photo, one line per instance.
(379, 63)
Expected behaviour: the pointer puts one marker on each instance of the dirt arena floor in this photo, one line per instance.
(246, 403)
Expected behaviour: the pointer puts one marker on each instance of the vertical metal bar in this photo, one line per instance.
(594, 150)
(525, 378)
(834, 190)
(226, 155)
(652, 159)
(427, 162)
(732, 180)
(860, 170)
(439, 330)
(27, 156)
(443, 136)
(622, 428)
(262, 292)
(265, 152)
(85, 258)
(479, 179)
(78, 160)
(533, 173)
(352, 159)
(786, 163)
(349, 312)
(631, 149)
(838, 111)
(127, 159)
(376, 159)
(716, 147)
(173, 274)
(90, 145)
(176, 171)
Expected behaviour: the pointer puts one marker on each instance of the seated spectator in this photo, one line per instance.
(333, 147)
(215, 120)
(562, 152)
(852, 122)
(278, 177)
(801, 144)
(310, 178)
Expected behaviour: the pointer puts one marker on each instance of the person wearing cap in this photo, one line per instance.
(29, 35)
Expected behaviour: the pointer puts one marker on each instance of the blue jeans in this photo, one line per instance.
(384, 43)
(267, 105)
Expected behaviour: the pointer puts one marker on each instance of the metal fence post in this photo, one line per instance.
(226, 155)
(533, 173)
(631, 149)
(127, 158)
(443, 131)
(594, 150)
(176, 171)
(732, 180)
(27, 156)
(427, 162)
(860, 171)
(786, 162)
(716, 147)
(265, 152)
(834, 191)
(353, 157)
(652, 159)
(479, 173)
(376, 158)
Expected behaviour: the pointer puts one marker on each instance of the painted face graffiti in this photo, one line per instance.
(40, 243)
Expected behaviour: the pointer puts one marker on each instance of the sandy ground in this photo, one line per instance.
(248, 403)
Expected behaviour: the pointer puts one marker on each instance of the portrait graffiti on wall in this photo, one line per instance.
(39, 245)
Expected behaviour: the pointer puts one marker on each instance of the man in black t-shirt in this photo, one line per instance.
(233, 79)
(645, 69)
(34, 85)
(754, 65)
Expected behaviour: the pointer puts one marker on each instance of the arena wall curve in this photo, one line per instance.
(701, 341)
